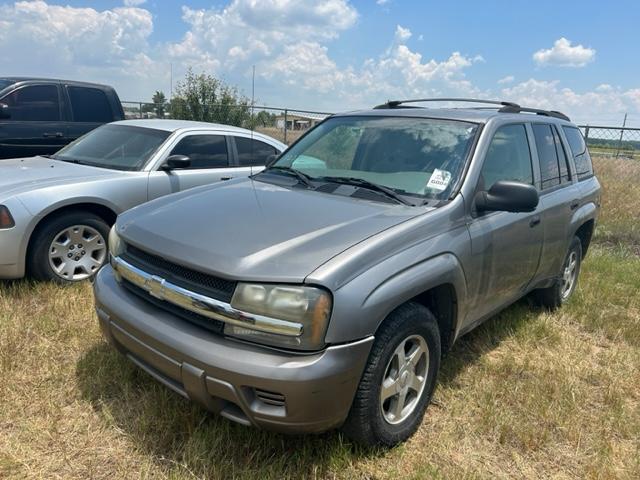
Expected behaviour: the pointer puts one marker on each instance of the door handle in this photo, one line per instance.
(224, 179)
(574, 205)
(52, 134)
(534, 221)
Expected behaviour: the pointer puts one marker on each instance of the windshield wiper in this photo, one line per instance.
(360, 182)
(302, 177)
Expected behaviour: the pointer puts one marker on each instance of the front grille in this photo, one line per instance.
(215, 326)
(203, 283)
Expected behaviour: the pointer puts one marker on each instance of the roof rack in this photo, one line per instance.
(505, 107)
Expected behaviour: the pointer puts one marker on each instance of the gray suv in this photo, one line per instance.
(324, 291)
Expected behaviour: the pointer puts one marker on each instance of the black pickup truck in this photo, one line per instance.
(39, 116)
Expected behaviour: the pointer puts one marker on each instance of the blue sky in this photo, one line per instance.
(579, 57)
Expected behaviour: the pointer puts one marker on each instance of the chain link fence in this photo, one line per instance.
(619, 142)
(284, 124)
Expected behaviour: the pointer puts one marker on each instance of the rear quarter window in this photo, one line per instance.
(581, 157)
(90, 105)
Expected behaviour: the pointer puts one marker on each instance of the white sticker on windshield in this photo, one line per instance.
(439, 180)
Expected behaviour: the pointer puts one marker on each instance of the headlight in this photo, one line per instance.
(6, 220)
(116, 246)
(308, 306)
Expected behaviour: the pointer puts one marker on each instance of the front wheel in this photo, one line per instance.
(398, 380)
(69, 248)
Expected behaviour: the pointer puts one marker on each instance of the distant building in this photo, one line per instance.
(298, 121)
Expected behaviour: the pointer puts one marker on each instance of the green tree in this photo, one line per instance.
(159, 103)
(205, 98)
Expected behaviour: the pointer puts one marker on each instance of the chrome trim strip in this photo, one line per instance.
(201, 304)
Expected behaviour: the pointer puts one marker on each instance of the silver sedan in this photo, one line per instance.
(56, 211)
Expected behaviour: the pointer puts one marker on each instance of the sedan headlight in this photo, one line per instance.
(116, 245)
(310, 307)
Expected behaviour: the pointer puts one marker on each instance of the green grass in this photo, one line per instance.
(529, 394)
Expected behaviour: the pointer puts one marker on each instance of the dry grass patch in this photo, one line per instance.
(528, 394)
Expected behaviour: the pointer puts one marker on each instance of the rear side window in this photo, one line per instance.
(89, 105)
(205, 151)
(36, 103)
(508, 157)
(553, 161)
(582, 159)
(253, 152)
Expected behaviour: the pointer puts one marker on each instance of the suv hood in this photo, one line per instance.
(250, 230)
(27, 174)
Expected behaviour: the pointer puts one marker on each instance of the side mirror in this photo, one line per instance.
(176, 162)
(508, 196)
(5, 111)
(271, 159)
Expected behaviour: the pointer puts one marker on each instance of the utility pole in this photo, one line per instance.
(253, 97)
(171, 80)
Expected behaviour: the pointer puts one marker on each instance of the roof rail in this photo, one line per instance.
(505, 107)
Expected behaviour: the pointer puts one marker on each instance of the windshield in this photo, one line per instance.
(120, 147)
(418, 157)
(4, 83)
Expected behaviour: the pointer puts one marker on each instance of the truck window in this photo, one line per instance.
(253, 152)
(89, 105)
(563, 161)
(508, 157)
(205, 151)
(35, 103)
(547, 155)
(581, 157)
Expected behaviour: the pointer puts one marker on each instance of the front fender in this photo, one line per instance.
(362, 305)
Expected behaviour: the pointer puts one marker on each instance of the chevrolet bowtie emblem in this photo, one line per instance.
(155, 287)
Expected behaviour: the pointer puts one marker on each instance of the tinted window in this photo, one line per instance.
(565, 175)
(584, 168)
(205, 151)
(508, 157)
(115, 146)
(547, 155)
(253, 152)
(89, 105)
(34, 103)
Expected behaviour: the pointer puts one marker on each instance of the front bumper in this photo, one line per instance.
(284, 392)
(13, 242)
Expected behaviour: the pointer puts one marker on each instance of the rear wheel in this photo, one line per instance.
(69, 248)
(398, 380)
(565, 284)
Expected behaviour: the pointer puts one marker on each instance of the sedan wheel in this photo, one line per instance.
(76, 253)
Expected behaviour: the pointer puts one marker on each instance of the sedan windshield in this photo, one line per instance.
(120, 147)
(413, 157)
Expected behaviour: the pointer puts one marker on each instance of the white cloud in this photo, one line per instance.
(382, 2)
(134, 3)
(402, 34)
(291, 42)
(563, 54)
(603, 105)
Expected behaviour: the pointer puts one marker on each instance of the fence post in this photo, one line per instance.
(285, 125)
(586, 134)
(624, 124)
(140, 109)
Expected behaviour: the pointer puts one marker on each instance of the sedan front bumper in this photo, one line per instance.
(275, 390)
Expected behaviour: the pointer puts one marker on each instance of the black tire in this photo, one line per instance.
(366, 423)
(38, 263)
(554, 296)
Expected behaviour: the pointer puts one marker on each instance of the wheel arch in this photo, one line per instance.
(585, 233)
(437, 283)
(106, 213)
